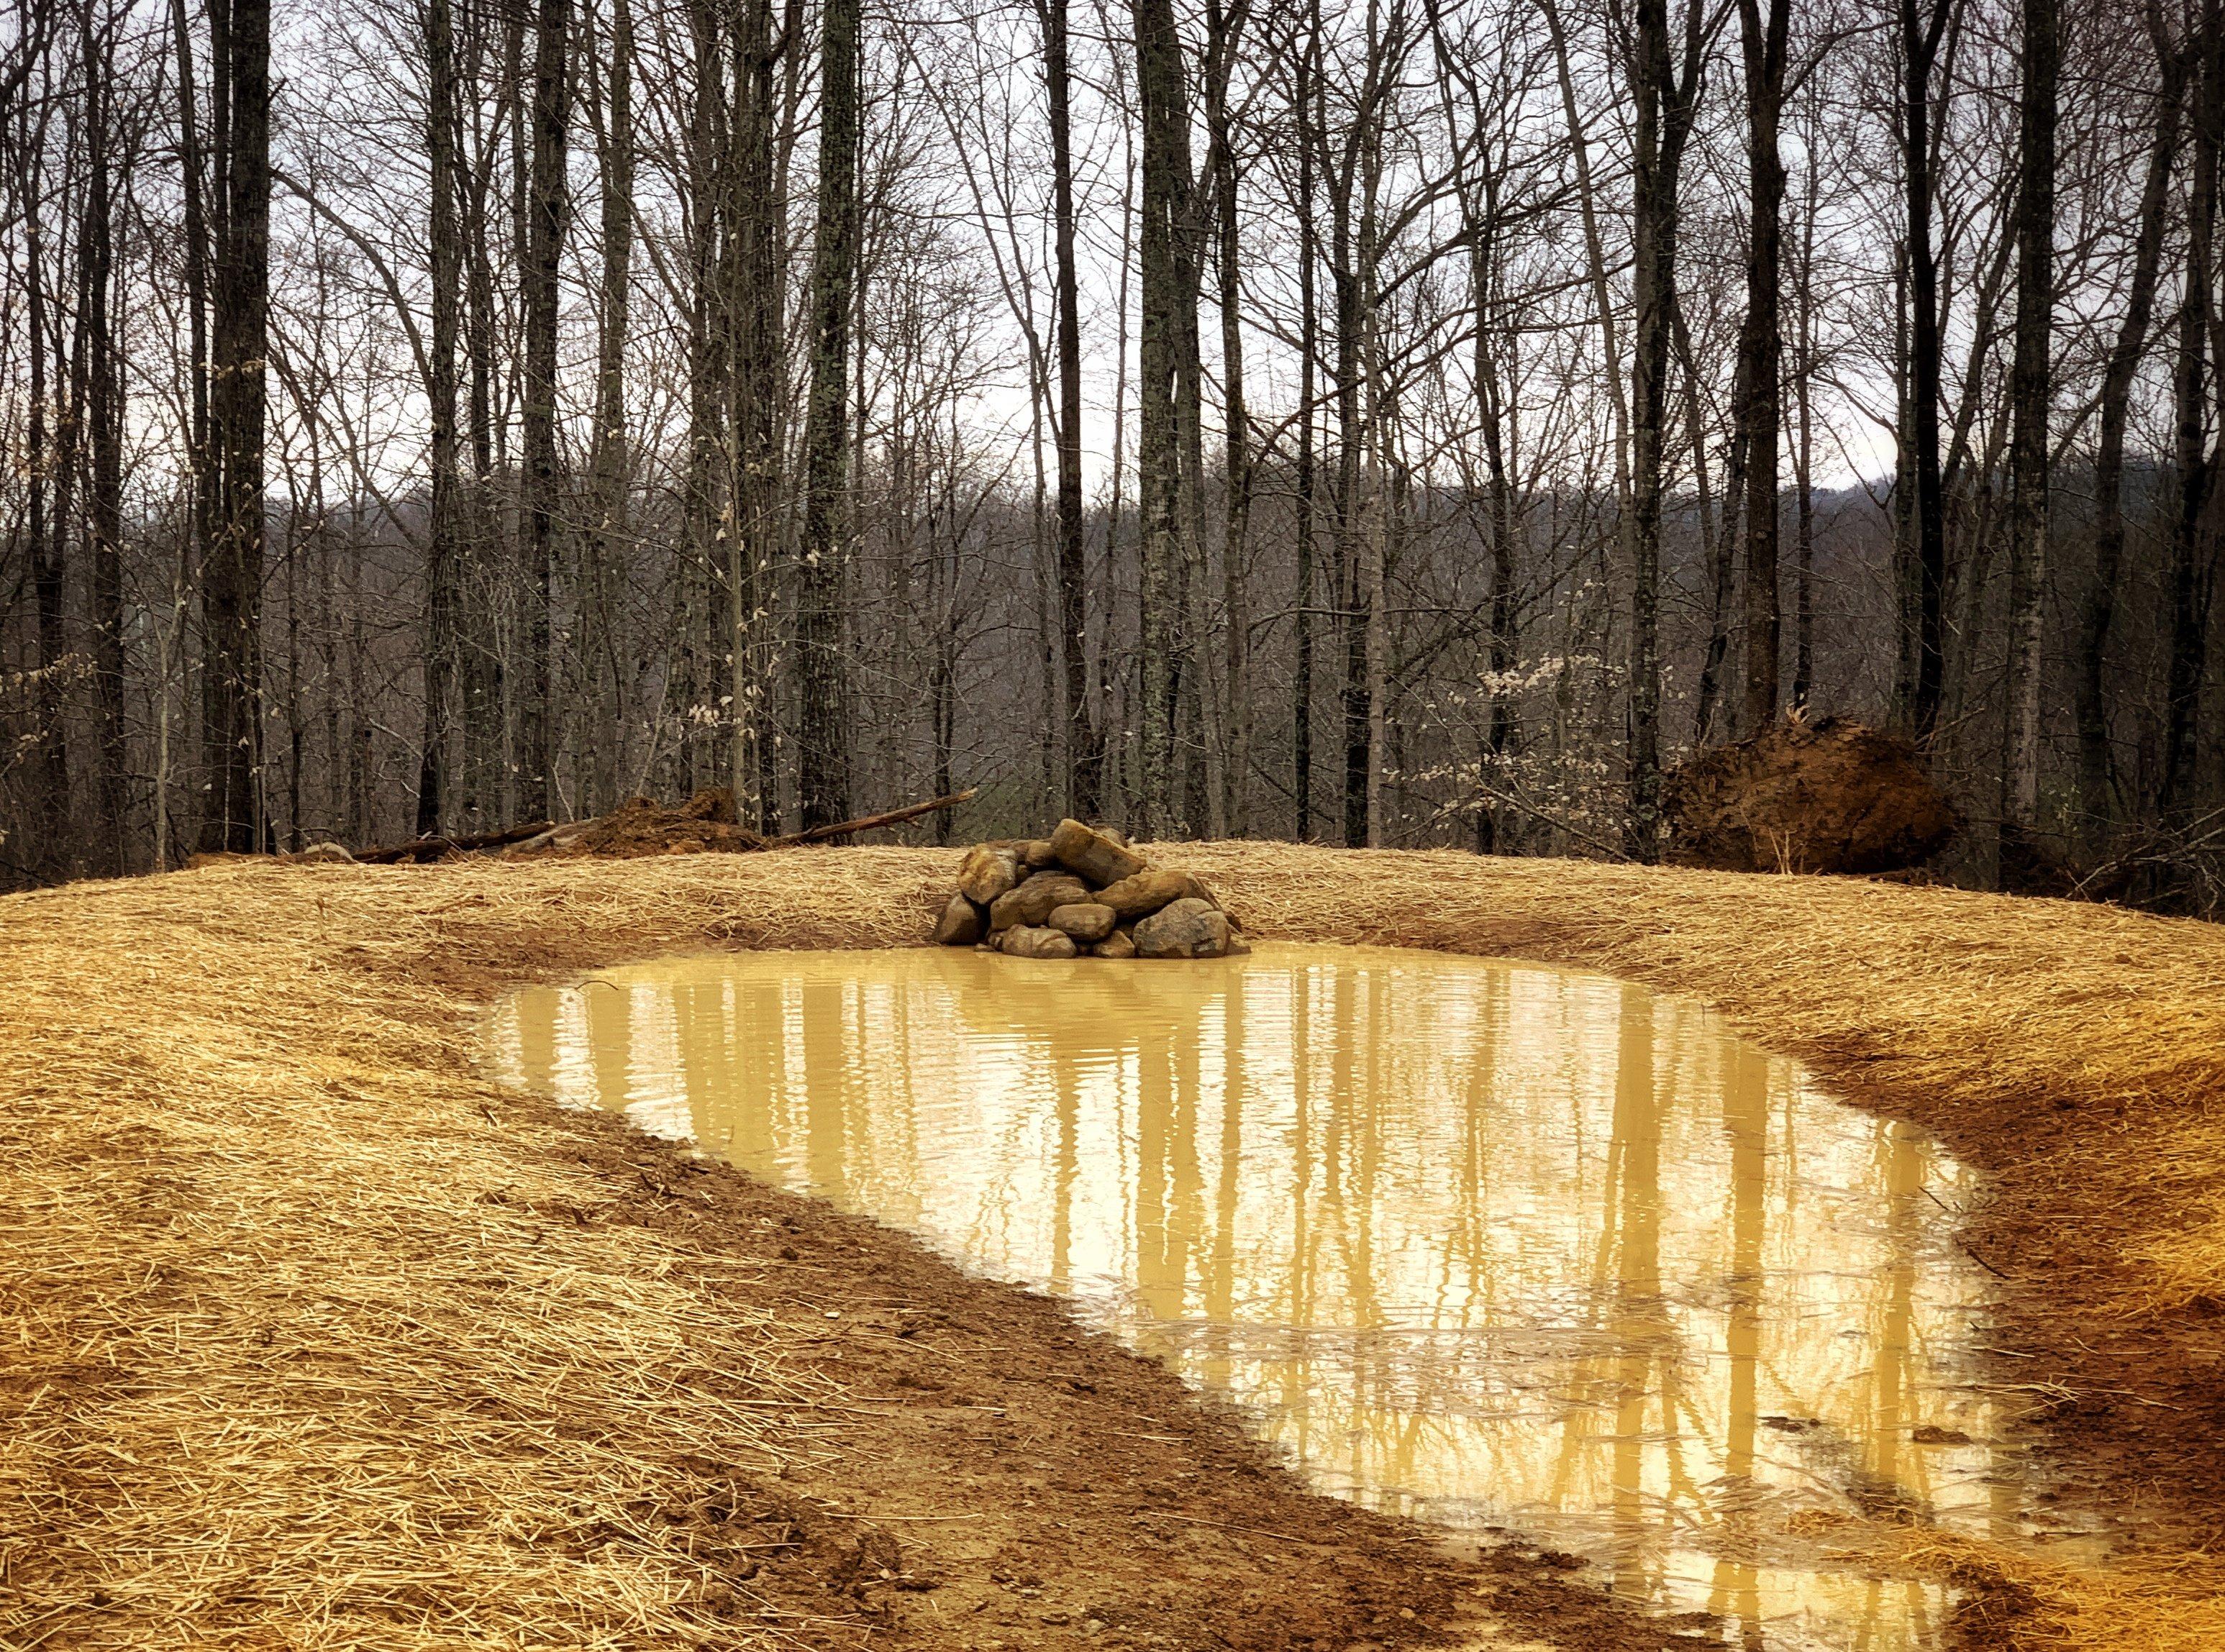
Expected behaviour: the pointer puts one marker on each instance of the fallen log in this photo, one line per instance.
(868, 822)
(422, 849)
(642, 827)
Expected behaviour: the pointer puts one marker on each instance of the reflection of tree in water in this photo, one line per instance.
(1482, 1240)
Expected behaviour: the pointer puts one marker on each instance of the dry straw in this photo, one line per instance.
(297, 1347)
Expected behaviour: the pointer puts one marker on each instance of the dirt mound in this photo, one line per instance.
(1832, 796)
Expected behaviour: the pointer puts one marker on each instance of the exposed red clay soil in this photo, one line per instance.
(1830, 796)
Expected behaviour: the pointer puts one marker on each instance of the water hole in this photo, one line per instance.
(1528, 1252)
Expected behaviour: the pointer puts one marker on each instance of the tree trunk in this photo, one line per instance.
(2030, 396)
(1760, 412)
(1722, 541)
(1920, 469)
(1302, 676)
(43, 524)
(479, 661)
(610, 463)
(232, 579)
(548, 214)
(1480, 222)
(1225, 31)
(1665, 96)
(2197, 470)
(1085, 755)
(823, 774)
(754, 415)
(1167, 337)
(2096, 761)
(442, 136)
(1803, 453)
(104, 439)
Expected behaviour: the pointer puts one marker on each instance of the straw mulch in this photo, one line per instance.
(289, 1355)
(297, 1358)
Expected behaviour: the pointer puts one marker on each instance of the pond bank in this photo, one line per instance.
(325, 1339)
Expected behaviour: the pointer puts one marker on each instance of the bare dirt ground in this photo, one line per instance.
(310, 1336)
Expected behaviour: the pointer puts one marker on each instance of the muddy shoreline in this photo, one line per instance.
(1030, 1482)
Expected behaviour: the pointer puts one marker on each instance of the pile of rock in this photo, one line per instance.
(1081, 892)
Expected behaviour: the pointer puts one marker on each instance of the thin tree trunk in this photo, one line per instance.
(610, 463)
(479, 664)
(1167, 338)
(2030, 396)
(2097, 764)
(104, 435)
(1919, 470)
(1301, 677)
(441, 133)
(1085, 755)
(1480, 222)
(1803, 454)
(758, 394)
(1665, 96)
(1722, 539)
(45, 460)
(2188, 658)
(1225, 32)
(1760, 412)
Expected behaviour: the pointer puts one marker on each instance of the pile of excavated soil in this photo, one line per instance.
(320, 1338)
(1830, 796)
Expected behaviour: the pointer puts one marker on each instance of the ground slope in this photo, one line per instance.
(310, 1336)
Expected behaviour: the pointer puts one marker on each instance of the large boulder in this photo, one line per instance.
(1026, 940)
(1190, 928)
(1832, 796)
(961, 924)
(1033, 902)
(1143, 893)
(987, 871)
(1092, 854)
(1086, 920)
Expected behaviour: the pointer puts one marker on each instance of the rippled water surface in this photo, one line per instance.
(1495, 1244)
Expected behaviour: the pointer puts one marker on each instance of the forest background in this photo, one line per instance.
(1379, 421)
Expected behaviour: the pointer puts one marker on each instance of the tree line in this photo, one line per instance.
(1390, 422)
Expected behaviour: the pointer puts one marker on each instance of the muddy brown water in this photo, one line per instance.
(1516, 1250)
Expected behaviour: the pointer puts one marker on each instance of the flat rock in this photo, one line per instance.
(1143, 893)
(1027, 940)
(1092, 854)
(1033, 902)
(1190, 928)
(961, 924)
(1086, 921)
(987, 871)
